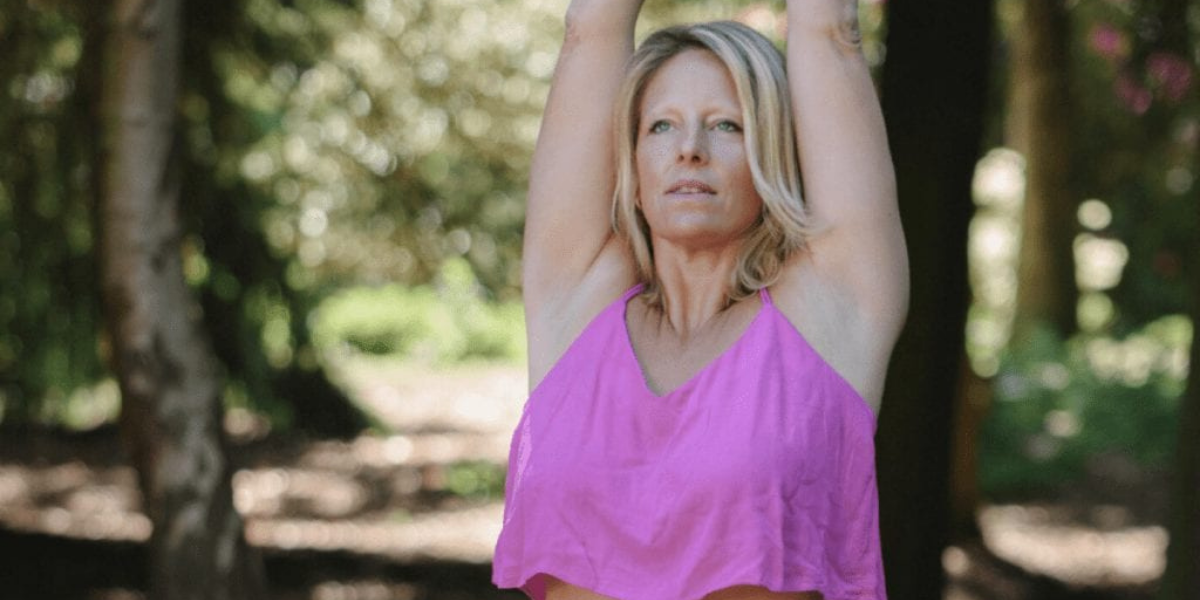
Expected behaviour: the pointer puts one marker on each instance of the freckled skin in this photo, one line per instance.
(846, 293)
(691, 129)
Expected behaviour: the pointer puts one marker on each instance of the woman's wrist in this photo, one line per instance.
(602, 16)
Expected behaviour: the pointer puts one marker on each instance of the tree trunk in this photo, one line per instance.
(1182, 577)
(934, 88)
(972, 401)
(1039, 127)
(1181, 581)
(171, 412)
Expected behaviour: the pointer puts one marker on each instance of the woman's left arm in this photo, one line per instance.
(849, 181)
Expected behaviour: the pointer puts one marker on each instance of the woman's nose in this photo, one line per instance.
(693, 147)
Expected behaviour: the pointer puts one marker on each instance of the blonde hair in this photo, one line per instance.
(760, 79)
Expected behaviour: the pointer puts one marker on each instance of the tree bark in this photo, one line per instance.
(971, 404)
(1039, 127)
(934, 88)
(1181, 581)
(171, 410)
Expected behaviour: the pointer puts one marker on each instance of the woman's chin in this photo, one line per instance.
(698, 235)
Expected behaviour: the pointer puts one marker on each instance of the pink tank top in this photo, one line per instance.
(760, 470)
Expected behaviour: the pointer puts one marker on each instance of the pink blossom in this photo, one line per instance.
(1109, 42)
(1169, 73)
(1132, 94)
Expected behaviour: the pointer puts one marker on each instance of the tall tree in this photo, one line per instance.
(934, 87)
(1039, 127)
(49, 312)
(171, 412)
(244, 268)
(1182, 577)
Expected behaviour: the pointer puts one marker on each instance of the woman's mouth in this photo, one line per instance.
(690, 186)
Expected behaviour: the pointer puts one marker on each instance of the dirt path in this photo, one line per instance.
(414, 512)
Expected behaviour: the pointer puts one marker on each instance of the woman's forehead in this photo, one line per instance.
(692, 76)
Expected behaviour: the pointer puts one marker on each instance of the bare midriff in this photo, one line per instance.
(557, 589)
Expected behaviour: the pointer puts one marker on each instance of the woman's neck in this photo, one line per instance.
(694, 283)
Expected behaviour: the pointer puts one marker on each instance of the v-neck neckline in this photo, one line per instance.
(643, 375)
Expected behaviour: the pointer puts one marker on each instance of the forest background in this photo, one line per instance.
(348, 179)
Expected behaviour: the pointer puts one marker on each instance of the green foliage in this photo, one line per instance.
(475, 479)
(323, 144)
(445, 323)
(1114, 389)
(1134, 82)
(1056, 404)
(49, 313)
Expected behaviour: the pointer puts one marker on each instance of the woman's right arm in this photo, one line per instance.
(572, 178)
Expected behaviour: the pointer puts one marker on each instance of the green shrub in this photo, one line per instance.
(445, 323)
(1057, 403)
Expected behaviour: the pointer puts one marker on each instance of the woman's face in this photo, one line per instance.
(694, 182)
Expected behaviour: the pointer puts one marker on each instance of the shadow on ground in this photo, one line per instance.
(41, 567)
(374, 519)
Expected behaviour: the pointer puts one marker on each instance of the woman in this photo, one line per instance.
(707, 369)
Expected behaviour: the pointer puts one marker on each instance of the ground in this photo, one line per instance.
(408, 515)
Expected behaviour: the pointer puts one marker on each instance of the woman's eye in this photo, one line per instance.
(659, 126)
(729, 126)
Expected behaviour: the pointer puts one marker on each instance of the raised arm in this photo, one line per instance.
(849, 181)
(572, 178)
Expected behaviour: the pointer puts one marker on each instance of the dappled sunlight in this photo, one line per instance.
(1099, 262)
(74, 499)
(1160, 348)
(1094, 214)
(1041, 539)
(348, 505)
(363, 590)
(290, 507)
(463, 535)
(432, 491)
(993, 244)
(481, 398)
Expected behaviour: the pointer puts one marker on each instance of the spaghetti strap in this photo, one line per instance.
(744, 510)
(766, 296)
(631, 292)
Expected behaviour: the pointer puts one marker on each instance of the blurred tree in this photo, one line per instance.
(50, 342)
(1182, 577)
(256, 315)
(1142, 73)
(49, 311)
(1039, 126)
(171, 413)
(934, 86)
